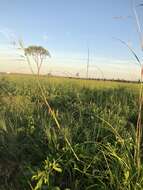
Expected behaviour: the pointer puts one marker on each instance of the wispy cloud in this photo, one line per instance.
(8, 34)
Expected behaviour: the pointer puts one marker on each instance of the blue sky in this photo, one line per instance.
(68, 28)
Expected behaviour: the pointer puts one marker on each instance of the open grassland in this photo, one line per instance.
(97, 117)
(19, 79)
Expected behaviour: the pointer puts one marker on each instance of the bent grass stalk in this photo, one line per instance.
(139, 120)
(137, 151)
(51, 111)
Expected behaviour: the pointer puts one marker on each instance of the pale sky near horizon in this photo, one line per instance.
(67, 28)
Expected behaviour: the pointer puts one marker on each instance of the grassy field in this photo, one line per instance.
(18, 79)
(92, 149)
